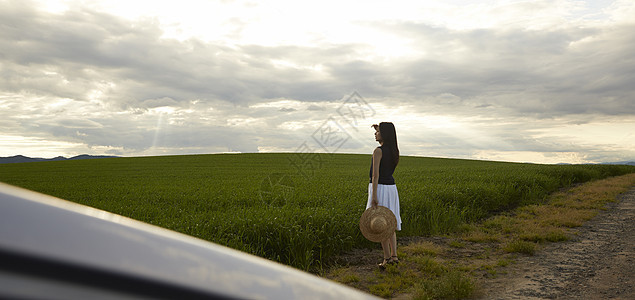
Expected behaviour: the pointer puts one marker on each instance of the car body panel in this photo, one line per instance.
(114, 252)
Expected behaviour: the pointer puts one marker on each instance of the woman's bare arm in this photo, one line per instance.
(375, 179)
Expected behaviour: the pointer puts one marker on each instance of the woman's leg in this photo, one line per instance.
(393, 246)
(385, 245)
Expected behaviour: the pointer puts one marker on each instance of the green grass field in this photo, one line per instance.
(261, 204)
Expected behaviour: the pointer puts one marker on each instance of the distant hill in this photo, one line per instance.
(23, 159)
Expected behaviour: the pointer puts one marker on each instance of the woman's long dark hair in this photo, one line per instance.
(389, 136)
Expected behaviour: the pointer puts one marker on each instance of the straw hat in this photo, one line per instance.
(377, 223)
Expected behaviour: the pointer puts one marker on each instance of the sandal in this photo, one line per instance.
(394, 260)
(383, 264)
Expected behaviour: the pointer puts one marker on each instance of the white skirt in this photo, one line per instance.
(386, 196)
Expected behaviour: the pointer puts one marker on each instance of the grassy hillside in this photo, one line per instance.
(265, 205)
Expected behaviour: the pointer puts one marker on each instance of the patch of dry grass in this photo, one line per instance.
(481, 235)
(422, 248)
(520, 246)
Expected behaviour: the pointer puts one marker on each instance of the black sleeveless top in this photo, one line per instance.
(386, 167)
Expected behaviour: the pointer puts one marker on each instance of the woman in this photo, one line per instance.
(382, 189)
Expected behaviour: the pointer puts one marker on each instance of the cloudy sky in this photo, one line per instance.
(528, 81)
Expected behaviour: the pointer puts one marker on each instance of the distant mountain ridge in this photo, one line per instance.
(23, 159)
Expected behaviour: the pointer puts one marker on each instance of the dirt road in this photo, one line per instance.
(599, 263)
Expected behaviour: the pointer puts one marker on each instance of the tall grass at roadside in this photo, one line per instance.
(218, 197)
